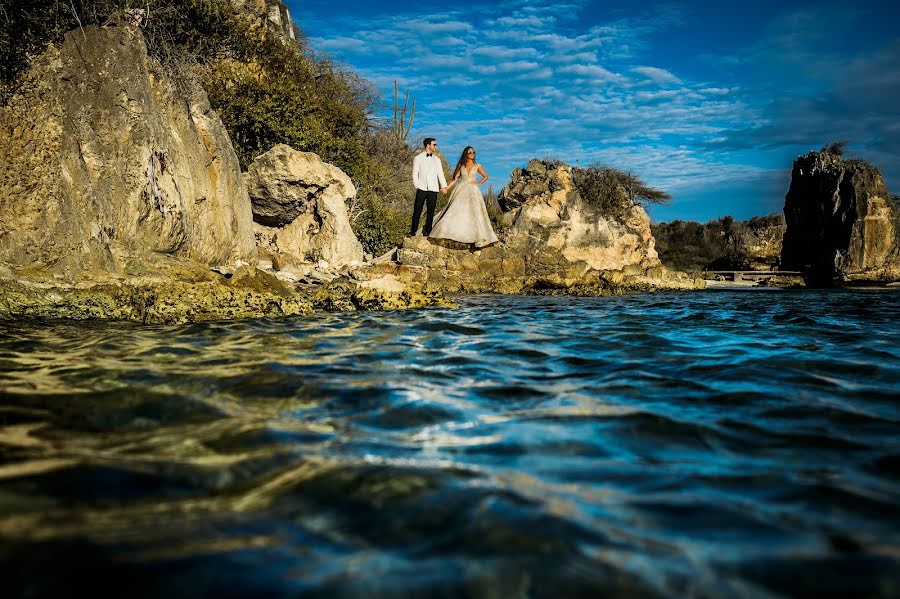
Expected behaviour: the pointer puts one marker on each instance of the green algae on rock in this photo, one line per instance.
(246, 295)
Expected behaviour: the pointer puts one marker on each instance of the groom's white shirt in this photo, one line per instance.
(428, 175)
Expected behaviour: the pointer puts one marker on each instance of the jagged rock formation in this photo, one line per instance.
(555, 219)
(553, 241)
(105, 166)
(299, 208)
(842, 224)
(538, 181)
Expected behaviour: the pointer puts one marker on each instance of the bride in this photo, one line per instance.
(465, 219)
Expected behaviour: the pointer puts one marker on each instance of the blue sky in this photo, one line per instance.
(710, 101)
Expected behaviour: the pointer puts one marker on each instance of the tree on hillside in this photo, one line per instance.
(613, 191)
(836, 147)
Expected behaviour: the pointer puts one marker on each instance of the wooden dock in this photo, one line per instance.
(739, 276)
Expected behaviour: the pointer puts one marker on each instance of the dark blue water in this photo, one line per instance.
(697, 444)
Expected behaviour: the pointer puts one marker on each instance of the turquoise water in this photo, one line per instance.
(695, 444)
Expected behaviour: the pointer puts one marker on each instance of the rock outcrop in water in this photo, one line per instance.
(553, 242)
(121, 197)
(842, 224)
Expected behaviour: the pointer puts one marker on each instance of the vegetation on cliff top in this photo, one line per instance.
(838, 150)
(612, 191)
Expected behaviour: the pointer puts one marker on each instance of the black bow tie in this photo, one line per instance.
(429, 155)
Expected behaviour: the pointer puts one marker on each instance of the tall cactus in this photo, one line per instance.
(401, 125)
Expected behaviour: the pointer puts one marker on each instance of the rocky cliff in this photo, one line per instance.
(106, 167)
(121, 197)
(842, 224)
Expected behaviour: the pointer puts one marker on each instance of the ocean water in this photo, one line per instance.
(715, 444)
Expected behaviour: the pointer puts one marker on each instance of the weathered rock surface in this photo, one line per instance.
(103, 161)
(553, 242)
(841, 223)
(538, 181)
(557, 222)
(299, 208)
(194, 295)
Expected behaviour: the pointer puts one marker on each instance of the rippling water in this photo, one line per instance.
(702, 444)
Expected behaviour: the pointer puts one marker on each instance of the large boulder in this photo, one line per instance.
(106, 165)
(300, 208)
(538, 181)
(841, 223)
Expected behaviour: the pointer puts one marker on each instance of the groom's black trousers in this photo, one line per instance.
(429, 200)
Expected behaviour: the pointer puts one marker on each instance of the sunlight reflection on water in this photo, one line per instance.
(723, 443)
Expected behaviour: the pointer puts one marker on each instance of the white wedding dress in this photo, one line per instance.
(465, 218)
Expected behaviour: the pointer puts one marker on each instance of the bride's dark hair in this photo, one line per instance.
(462, 161)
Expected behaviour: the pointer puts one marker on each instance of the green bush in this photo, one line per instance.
(612, 192)
(716, 245)
(265, 90)
(276, 95)
(378, 226)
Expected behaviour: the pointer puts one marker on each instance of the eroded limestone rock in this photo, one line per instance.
(299, 208)
(104, 160)
(563, 223)
(194, 296)
(121, 198)
(841, 222)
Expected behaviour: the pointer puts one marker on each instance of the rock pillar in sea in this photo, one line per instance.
(841, 223)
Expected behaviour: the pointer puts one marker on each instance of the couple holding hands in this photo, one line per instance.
(465, 218)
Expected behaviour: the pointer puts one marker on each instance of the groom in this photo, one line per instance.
(428, 177)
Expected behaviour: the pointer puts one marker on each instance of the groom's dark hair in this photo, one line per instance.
(427, 141)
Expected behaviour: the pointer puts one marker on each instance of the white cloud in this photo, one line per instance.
(341, 44)
(424, 27)
(505, 53)
(656, 74)
(593, 72)
(525, 22)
